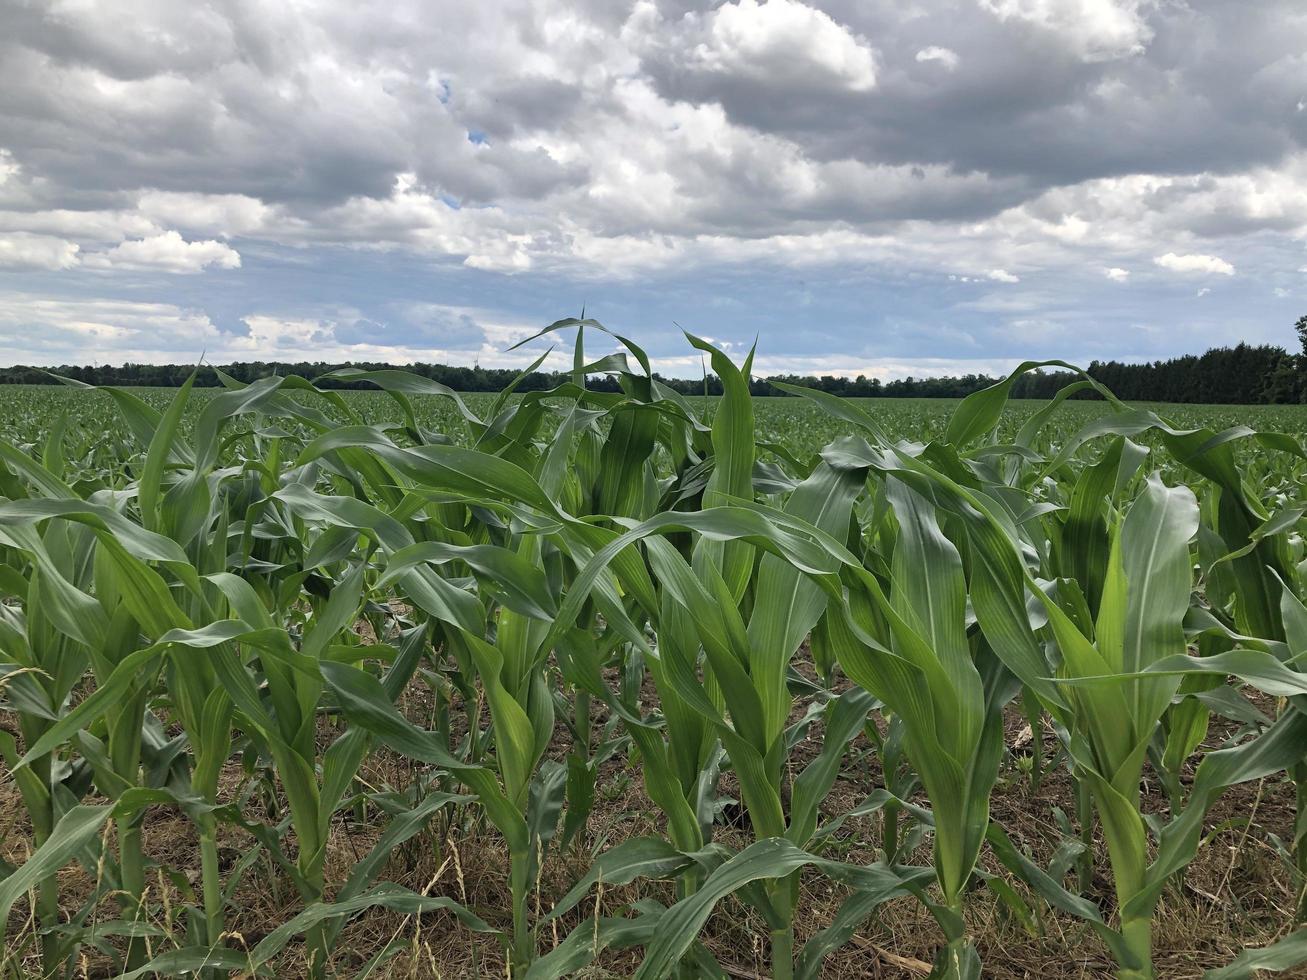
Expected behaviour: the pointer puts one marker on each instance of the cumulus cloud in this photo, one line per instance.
(26, 251)
(1096, 30)
(48, 329)
(598, 122)
(282, 337)
(1210, 264)
(944, 56)
(420, 331)
(168, 252)
(780, 43)
(634, 152)
(214, 214)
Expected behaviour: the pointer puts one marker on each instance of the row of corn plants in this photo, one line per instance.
(276, 623)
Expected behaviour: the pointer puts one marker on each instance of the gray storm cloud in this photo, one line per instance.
(946, 137)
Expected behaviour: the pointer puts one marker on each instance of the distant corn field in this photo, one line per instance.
(305, 682)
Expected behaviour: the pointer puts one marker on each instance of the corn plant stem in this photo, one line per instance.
(212, 880)
(440, 711)
(47, 891)
(316, 938)
(686, 885)
(1136, 930)
(316, 942)
(957, 943)
(477, 742)
(782, 953)
(1170, 780)
(319, 950)
(583, 723)
(131, 864)
(1138, 935)
(784, 897)
(1299, 773)
(47, 899)
(520, 885)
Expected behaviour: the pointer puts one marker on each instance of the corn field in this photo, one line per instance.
(274, 623)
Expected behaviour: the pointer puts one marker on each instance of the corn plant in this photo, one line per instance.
(744, 692)
(219, 602)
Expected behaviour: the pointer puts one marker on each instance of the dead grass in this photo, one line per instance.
(1238, 892)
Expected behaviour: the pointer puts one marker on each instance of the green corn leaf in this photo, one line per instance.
(1286, 954)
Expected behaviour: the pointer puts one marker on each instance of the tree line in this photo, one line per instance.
(1241, 375)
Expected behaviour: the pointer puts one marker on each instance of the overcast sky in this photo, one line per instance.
(892, 187)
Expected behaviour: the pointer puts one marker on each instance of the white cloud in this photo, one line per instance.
(784, 43)
(1096, 30)
(24, 251)
(598, 144)
(1195, 263)
(276, 337)
(607, 152)
(214, 214)
(945, 56)
(1281, 293)
(86, 227)
(1203, 292)
(508, 254)
(37, 329)
(45, 329)
(335, 337)
(168, 252)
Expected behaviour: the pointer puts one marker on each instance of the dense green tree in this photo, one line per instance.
(1242, 375)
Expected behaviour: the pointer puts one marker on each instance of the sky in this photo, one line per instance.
(879, 187)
